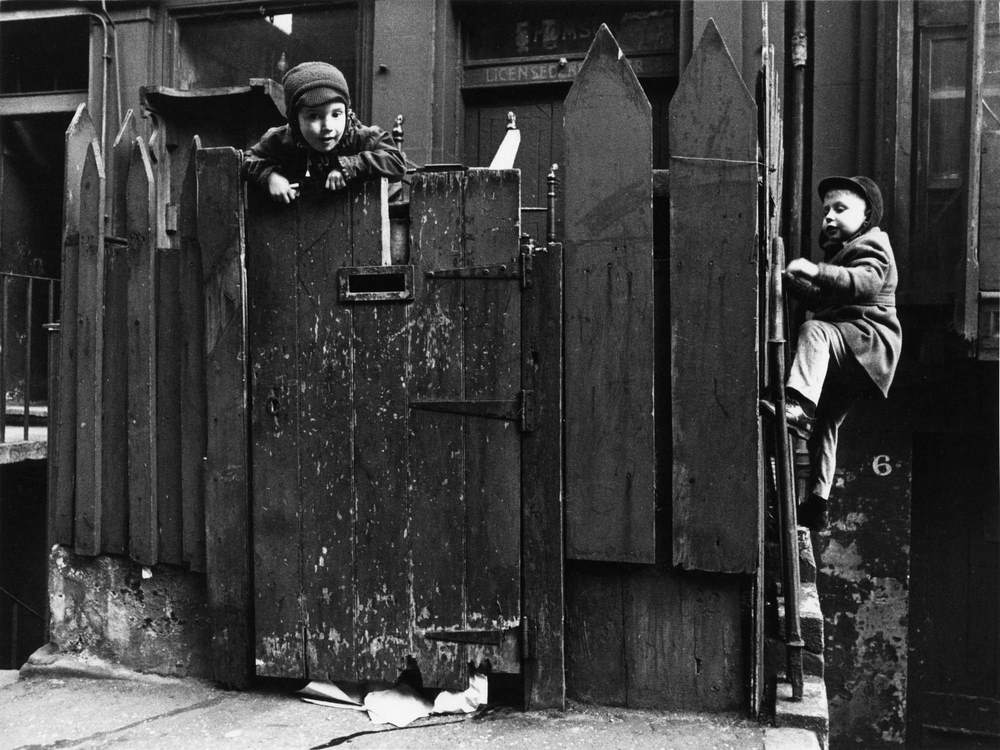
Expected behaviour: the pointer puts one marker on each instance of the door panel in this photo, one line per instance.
(376, 522)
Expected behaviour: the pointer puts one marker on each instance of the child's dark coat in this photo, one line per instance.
(855, 290)
(364, 152)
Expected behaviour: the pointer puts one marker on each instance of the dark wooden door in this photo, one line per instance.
(953, 691)
(538, 114)
(388, 434)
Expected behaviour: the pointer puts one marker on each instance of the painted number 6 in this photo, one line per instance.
(881, 465)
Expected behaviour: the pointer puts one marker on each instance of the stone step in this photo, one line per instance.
(811, 713)
(790, 738)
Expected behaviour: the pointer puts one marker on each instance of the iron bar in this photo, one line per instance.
(29, 322)
(550, 204)
(3, 357)
(799, 51)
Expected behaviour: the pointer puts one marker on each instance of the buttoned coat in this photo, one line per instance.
(855, 289)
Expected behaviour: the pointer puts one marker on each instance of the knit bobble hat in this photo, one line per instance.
(860, 185)
(320, 77)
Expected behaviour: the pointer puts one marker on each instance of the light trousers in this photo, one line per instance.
(826, 374)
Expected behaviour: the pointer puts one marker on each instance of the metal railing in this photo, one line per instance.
(18, 609)
(785, 479)
(24, 356)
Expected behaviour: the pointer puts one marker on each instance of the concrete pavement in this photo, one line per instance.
(71, 705)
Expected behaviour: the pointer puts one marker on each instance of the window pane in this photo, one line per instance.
(258, 46)
(45, 55)
(947, 137)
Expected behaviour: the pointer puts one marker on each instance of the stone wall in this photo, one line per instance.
(147, 619)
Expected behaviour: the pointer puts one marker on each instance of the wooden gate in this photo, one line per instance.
(404, 437)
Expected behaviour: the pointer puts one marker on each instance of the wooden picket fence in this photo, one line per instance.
(151, 444)
(128, 449)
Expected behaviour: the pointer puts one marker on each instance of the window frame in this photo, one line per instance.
(179, 11)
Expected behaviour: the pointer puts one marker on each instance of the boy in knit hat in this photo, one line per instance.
(851, 345)
(323, 141)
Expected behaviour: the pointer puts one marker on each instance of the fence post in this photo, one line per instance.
(192, 386)
(227, 523)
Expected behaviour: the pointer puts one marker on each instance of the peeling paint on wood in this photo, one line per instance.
(374, 523)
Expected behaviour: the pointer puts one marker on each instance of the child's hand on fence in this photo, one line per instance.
(801, 287)
(281, 189)
(335, 180)
(803, 269)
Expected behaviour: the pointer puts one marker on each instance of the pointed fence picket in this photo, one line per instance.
(608, 267)
(714, 314)
(114, 453)
(89, 326)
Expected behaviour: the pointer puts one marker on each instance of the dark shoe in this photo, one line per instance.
(796, 419)
(812, 513)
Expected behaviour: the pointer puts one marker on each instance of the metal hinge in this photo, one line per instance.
(520, 270)
(521, 409)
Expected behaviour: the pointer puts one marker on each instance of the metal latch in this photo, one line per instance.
(521, 409)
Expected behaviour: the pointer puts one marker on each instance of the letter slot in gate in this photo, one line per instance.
(375, 283)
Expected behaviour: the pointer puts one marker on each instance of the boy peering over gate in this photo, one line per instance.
(323, 142)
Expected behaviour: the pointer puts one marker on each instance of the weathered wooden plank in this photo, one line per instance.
(79, 135)
(683, 640)
(191, 299)
(168, 401)
(436, 475)
(324, 352)
(227, 511)
(595, 635)
(541, 476)
(610, 456)
(89, 354)
(114, 418)
(382, 619)
(272, 240)
(492, 363)
(142, 483)
(714, 316)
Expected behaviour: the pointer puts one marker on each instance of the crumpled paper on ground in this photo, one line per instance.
(398, 704)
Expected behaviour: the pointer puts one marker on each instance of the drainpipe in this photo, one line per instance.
(799, 56)
(796, 176)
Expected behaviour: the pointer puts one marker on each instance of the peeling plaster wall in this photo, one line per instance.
(147, 619)
(863, 584)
